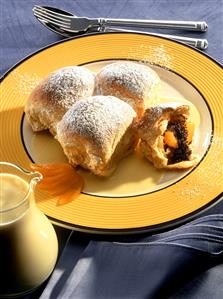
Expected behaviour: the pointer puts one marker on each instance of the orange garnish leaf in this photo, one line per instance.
(67, 197)
(50, 169)
(60, 180)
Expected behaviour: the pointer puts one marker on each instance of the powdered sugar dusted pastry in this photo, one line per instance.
(56, 94)
(166, 135)
(132, 82)
(97, 132)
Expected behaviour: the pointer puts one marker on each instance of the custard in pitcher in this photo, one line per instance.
(29, 247)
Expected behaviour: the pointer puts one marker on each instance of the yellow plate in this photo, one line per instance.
(137, 197)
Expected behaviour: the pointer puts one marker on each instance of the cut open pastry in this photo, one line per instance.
(50, 100)
(166, 137)
(135, 83)
(97, 132)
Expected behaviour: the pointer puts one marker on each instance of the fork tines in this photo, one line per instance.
(45, 15)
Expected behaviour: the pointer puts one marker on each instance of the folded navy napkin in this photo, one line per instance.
(149, 267)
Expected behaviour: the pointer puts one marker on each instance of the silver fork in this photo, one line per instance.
(76, 24)
(58, 26)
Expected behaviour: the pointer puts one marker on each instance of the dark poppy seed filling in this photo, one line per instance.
(182, 152)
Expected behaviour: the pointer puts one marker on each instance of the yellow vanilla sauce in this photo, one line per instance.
(12, 190)
(134, 174)
(29, 248)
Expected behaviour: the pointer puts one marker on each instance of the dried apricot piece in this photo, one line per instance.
(190, 131)
(170, 139)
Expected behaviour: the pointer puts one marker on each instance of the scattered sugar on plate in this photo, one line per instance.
(207, 178)
(152, 55)
(24, 83)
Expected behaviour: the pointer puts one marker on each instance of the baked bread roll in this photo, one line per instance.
(50, 100)
(166, 137)
(132, 82)
(97, 132)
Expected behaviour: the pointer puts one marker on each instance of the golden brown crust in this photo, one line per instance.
(40, 112)
(50, 100)
(97, 132)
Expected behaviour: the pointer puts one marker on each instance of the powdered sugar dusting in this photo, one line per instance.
(218, 142)
(160, 56)
(97, 118)
(215, 169)
(69, 84)
(135, 79)
(208, 178)
(191, 191)
(152, 55)
(24, 83)
(155, 113)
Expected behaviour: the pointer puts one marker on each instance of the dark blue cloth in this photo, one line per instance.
(20, 35)
(152, 267)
